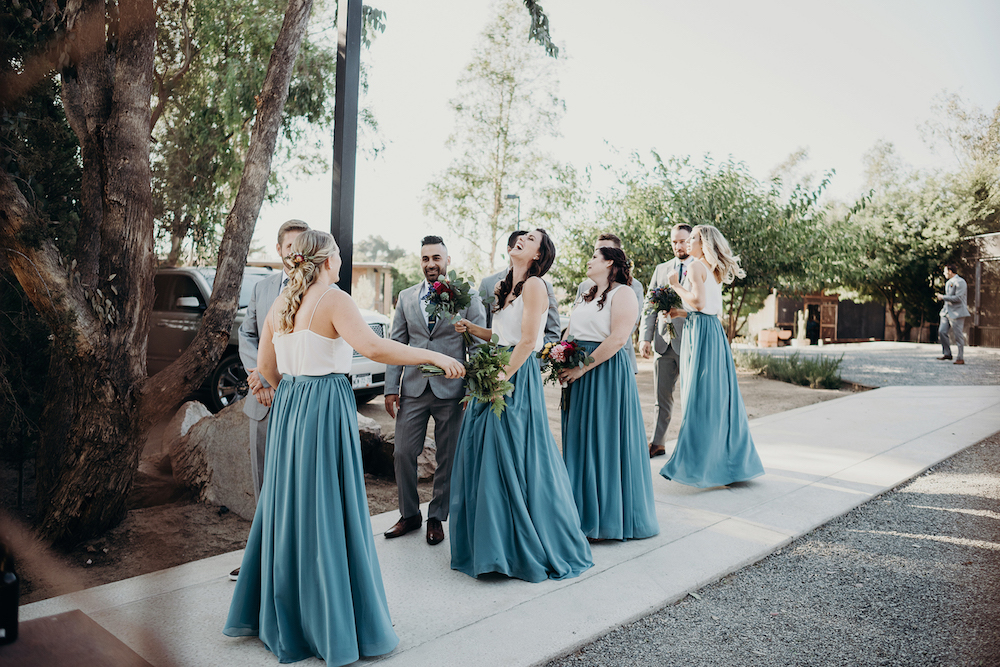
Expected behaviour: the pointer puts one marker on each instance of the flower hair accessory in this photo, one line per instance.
(297, 258)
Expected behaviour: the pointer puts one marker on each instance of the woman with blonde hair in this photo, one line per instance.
(310, 582)
(714, 447)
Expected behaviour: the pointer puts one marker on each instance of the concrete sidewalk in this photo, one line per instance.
(821, 460)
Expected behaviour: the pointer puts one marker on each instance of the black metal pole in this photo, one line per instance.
(345, 134)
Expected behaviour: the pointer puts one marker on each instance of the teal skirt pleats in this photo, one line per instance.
(604, 446)
(714, 447)
(310, 582)
(512, 510)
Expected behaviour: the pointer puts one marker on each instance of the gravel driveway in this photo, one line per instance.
(887, 363)
(909, 578)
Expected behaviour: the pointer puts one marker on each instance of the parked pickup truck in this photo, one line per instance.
(182, 296)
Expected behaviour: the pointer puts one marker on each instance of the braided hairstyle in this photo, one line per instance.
(619, 272)
(309, 251)
(538, 267)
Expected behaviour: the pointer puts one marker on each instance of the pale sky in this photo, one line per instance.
(755, 80)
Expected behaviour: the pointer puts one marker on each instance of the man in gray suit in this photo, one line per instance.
(487, 289)
(654, 336)
(954, 310)
(258, 406)
(413, 399)
(608, 240)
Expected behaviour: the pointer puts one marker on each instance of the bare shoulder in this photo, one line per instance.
(536, 286)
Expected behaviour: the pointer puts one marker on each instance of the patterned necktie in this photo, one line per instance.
(431, 321)
(680, 273)
(284, 283)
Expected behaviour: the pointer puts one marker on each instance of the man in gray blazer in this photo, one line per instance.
(258, 406)
(413, 399)
(954, 310)
(487, 289)
(608, 240)
(654, 336)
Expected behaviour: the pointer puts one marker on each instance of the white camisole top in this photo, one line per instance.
(507, 325)
(589, 323)
(306, 352)
(713, 294)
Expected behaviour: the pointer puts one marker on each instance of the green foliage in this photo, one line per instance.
(485, 378)
(819, 372)
(782, 239)
(211, 60)
(507, 104)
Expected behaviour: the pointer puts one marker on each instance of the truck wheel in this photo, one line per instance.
(228, 382)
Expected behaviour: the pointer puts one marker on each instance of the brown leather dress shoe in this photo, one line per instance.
(960, 362)
(435, 532)
(404, 526)
(656, 451)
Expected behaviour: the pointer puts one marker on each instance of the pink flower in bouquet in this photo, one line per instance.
(558, 353)
(501, 376)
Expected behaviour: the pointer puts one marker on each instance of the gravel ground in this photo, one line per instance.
(909, 578)
(888, 364)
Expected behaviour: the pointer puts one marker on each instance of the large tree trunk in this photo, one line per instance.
(97, 303)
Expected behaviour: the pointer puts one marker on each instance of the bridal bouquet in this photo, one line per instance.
(565, 354)
(447, 299)
(662, 299)
(484, 375)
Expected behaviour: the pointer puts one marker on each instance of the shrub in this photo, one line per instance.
(815, 372)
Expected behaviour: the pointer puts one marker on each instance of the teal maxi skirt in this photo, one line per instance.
(512, 510)
(714, 447)
(604, 446)
(310, 582)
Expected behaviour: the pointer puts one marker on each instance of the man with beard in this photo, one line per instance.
(654, 336)
(412, 399)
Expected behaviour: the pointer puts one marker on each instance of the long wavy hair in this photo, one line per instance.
(620, 272)
(538, 267)
(309, 250)
(719, 256)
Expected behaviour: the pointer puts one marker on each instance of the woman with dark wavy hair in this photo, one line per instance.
(512, 510)
(310, 582)
(603, 435)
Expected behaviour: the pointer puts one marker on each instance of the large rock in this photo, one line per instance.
(427, 461)
(210, 454)
(213, 459)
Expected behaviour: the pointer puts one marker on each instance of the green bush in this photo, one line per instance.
(815, 372)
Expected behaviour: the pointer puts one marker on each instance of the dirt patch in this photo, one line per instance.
(165, 535)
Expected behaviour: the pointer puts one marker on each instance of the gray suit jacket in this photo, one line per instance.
(553, 332)
(261, 298)
(639, 294)
(409, 326)
(954, 304)
(649, 329)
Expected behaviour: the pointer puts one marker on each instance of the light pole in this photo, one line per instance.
(518, 198)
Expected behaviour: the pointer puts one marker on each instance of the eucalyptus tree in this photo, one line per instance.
(507, 106)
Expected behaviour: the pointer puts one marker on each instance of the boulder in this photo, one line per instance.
(213, 459)
(427, 461)
(376, 452)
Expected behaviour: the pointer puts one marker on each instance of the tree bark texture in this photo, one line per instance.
(97, 302)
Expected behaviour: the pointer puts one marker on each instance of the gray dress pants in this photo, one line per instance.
(666, 370)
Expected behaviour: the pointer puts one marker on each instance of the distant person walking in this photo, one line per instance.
(714, 447)
(604, 438)
(954, 310)
(654, 336)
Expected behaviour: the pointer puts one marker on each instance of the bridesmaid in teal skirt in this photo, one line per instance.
(512, 511)
(714, 447)
(604, 438)
(310, 583)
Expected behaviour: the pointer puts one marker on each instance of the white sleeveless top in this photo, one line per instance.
(713, 295)
(507, 325)
(589, 323)
(306, 352)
